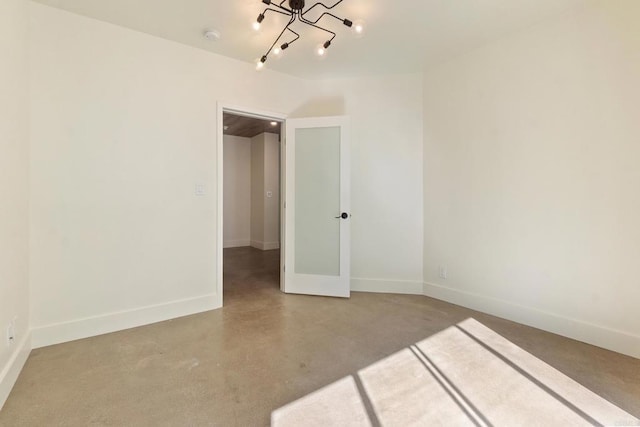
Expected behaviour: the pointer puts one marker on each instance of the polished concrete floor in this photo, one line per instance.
(264, 349)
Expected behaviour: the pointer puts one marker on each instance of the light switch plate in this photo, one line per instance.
(442, 272)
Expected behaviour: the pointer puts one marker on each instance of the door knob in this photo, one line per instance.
(344, 215)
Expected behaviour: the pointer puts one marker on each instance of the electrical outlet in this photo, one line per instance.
(11, 333)
(442, 271)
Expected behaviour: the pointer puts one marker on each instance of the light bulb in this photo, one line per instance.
(277, 51)
(258, 21)
(320, 51)
(358, 27)
(260, 63)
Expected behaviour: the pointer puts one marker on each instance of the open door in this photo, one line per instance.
(317, 209)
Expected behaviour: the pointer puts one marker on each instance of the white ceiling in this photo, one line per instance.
(400, 36)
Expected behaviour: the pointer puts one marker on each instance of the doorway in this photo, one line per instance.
(251, 204)
(314, 215)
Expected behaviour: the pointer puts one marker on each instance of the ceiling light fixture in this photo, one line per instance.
(297, 12)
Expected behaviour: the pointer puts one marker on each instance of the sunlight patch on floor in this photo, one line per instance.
(338, 404)
(464, 375)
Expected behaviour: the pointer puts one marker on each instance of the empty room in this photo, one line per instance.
(346, 212)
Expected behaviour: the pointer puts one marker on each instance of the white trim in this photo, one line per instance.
(112, 322)
(601, 336)
(265, 246)
(236, 243)
(12, 369)
(283, 204)
(219, 201)
(386, 286)
(219, 185)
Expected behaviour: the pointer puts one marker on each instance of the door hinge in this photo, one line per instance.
(284, 268)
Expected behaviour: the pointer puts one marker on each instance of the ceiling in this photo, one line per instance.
(247, 127)
(400, 36)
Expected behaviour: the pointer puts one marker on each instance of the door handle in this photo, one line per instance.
(344, 215)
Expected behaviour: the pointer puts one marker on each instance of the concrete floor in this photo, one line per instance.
(264, 349)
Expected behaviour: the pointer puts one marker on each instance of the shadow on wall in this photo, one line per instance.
(464, 375)
(329, 106)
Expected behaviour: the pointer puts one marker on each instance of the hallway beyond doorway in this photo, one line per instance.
(247, 271)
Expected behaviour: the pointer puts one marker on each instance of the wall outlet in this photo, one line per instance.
(200, 190)
(11, 333)
(442, 272)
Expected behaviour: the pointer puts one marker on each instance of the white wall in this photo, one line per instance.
(531, 176)
(257, 190)
(271, 191)
(237, 191)
(14, 190)
(386, 181)
(265, 180)
(251, 170)
(123, 128)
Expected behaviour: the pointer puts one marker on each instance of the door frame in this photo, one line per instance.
(223, 107)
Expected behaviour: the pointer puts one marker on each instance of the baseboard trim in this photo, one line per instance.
(265, 246)
(103, 324)
(11, 371)
(236, 243)
(386, 286)
(601, 336)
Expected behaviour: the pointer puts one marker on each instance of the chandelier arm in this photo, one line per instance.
(276, 11)
(280, 6)
(323, 5)
(293, 18)
(330, 14)
(303, 20)
(297, 35)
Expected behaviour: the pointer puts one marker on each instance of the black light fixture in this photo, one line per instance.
(297, 12)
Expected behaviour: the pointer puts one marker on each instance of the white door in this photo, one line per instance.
(317, 215)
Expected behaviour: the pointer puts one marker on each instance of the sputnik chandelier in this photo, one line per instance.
(297, 12)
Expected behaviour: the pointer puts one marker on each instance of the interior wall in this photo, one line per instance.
(271, 191)
(257, 190)
(265, 191)
(386, 178)
(237, 191)
(531, 177)
(14, 191)
(123, 128)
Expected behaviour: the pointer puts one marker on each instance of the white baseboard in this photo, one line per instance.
(112, 322)
(10, 372)
(601, 336)
(236, 243)
(265, 246)
(386, 286)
